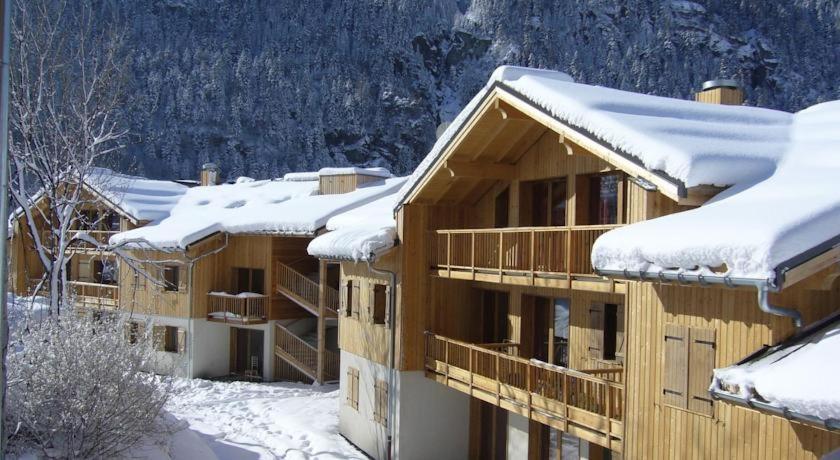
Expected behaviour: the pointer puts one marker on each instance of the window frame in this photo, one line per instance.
(170, 339)
(171, 286)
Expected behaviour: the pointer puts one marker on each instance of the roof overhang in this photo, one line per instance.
(499, 95)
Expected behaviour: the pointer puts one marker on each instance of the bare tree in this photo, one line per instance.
(67, 87)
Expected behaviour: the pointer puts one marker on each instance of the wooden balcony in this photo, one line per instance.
(534, 256)
(237, 308)
(304, 356)
(95, 295)
(100, 236)
(582, 403)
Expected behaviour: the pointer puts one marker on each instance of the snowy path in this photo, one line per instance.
(257, 421)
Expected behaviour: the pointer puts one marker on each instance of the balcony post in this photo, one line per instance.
(531, 264)
(608, 412)
(498, 382)
(569, 256)
(565, 402)
(449, 254)
(322, 324)
(472, 254)
(501, 254)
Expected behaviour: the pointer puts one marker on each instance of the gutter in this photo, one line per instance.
(762, 286)
(830, 424)
(392, 406)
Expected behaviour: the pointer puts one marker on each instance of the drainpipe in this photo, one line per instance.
(392, 301)
(763, 287)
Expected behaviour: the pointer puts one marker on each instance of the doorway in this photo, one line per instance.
(494, 317)
(246, 353)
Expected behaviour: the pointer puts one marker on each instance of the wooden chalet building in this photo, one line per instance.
(516, 330)
(110, 203)
(238, 294)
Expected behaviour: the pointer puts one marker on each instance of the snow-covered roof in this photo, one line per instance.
(265, 206)
(359, 234)
(689, 142)
(375, 172)
(140, 198)
(754, 226)
(798, 376)
(301, 176)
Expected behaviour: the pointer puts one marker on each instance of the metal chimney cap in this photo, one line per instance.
(209, 166)
(720, 83)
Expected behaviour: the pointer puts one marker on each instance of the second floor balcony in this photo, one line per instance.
(537, 256)
(95, 295)
(244, 308)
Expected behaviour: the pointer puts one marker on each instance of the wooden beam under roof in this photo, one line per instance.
(498, 171)
(669, 188)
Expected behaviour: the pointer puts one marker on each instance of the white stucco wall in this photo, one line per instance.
(166, 363)
(210, 349)
(517, 437)
(434, 420)
(358, 426)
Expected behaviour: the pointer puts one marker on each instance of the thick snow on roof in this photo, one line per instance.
(800, 375)
(750, 228)
(276, 207)
(376, 172)
(141, 198)
(360, 233)
(301, 176)
(692, 142)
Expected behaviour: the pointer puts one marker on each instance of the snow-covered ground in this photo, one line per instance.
(239, 420)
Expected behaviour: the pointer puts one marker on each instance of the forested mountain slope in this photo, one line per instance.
(267, 86)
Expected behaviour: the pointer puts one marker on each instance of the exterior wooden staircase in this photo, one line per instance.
(304, 291)
(303, 356)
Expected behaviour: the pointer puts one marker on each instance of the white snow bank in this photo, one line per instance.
(692, 142)
(801, 376)
(360, 233)
(257, 420)
(274, 207)
(375, 172)
(753, 227)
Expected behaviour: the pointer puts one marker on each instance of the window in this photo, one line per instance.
(249, 280)
(351, 298)
(353, 387)
(105, 271)
(543, 203)
(171, 278)
(606, 332)
(380, 303)
(380, 402)
(132, 332)
(170, 339)
(600, 199)
(689, 361)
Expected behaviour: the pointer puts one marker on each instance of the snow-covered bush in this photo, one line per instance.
(77, 387)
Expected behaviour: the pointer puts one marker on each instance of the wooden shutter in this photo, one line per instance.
(371, 301)
(675, 366)
(342, 298)
(380, 406)
(619, 333)
(388, 305)
(596, 331)
(353, 388)
(159, 338)
(182, 341)
(701, 354)
(357, 290)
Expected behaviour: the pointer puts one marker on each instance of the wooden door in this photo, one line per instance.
(490, 422)
(502, 209)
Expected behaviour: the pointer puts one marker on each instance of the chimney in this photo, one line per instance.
(210, 174)
(721, 91)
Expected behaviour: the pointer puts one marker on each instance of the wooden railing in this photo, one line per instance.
(530, 251)
(100, 236)
(232, 308)
(306, 290)
(579, 403)
(95, 295)
(303, 355)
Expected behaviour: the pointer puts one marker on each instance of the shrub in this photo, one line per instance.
(77, 388)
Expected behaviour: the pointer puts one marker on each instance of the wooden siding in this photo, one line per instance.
(656, 430)
(358, 334)
(344, 183)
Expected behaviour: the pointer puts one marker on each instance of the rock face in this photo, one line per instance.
(267, 86)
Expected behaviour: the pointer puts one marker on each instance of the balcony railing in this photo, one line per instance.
(102, 237)
(302, 355)
(245, 308)
(525, 251)
(305, 291)
(95, 295)
(579, 403)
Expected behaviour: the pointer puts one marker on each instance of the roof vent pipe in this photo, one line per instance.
(765, 306)
(722, 91)
(210, 174)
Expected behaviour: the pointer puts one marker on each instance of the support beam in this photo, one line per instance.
(497, 171)
(322, 320)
